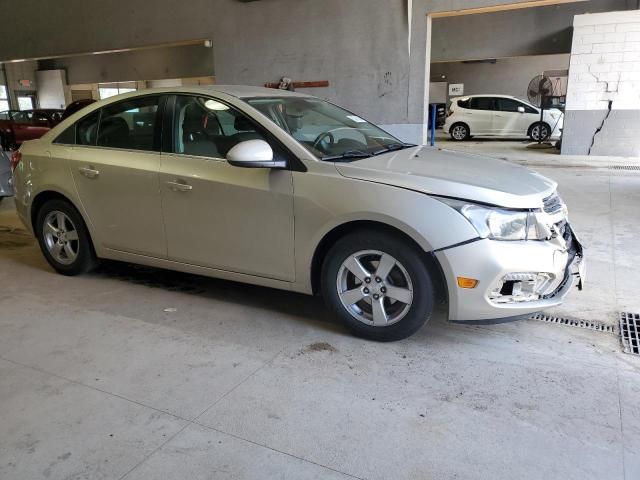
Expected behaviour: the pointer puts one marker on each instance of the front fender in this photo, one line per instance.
(324, 202)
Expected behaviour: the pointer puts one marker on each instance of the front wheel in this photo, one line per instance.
(378, 285)
(539, 132)
(64, 239)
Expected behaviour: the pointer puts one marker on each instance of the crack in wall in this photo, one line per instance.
(599, 129)
(607, 83)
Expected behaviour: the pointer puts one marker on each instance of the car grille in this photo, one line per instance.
(552, 204)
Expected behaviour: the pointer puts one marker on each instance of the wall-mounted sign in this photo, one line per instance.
(456, 89)
(26, 83)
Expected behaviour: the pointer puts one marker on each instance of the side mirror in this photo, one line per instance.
(521, 109)
(253, 154)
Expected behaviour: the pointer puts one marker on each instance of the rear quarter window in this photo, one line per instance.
(463, 103)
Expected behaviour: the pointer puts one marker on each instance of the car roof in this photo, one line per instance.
(238, 91)
(490, 95)
(245, 91)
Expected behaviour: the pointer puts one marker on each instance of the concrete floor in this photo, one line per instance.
(137, 373)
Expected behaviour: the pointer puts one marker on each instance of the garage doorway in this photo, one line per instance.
(496, 52)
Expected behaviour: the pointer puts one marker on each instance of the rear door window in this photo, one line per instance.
(482, 103)
(40, 119)
(131, 125)
(23, 116)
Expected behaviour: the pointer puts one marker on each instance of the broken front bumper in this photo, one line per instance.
(515, 279)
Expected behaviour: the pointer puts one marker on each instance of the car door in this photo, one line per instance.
(115, 165)
(480, 113)
(217, 215)
(509, 117)
(22, 126)
(39, 125)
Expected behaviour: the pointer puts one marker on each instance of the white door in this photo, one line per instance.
(508, 117)
(115, 166)
(480, 115)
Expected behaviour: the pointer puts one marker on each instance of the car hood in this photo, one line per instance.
(453, 174)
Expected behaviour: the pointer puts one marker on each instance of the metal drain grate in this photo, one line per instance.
(625, 167)
(630, 332)
(595, 326)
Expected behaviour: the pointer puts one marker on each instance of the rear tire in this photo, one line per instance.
(460, 132)
(389, 297)
(64, 239)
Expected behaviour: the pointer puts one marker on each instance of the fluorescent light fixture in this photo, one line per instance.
(217, 106)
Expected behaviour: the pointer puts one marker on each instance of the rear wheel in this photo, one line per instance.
(64, 239)
(460, 132)
(378, 285)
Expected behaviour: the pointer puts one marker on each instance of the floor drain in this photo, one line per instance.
(625, 167)
(596, 326)
(630, 332)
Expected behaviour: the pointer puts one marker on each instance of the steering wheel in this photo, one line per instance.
(321, 137)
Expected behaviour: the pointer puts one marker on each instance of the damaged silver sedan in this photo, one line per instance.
(286, 190)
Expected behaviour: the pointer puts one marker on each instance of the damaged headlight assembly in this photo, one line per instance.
(497, 223)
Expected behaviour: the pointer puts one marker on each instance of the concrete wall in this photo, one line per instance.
(508, 76)
(603, 100)
(147, 64)
(532, 31)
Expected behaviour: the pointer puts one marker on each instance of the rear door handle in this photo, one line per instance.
(179, 186)
(89, 172)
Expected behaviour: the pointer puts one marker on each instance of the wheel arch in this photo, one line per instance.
(44, 196)
(460, 122)
(340, 231)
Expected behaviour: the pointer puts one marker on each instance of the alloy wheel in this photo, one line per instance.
(374, 288)
(539, 132)
(459, 132)
(60, 237)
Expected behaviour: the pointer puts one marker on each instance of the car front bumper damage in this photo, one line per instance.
(514, 279)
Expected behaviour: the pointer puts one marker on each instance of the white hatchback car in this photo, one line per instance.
(500, 116)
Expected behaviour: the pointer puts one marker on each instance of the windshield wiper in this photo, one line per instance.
(351, 154)
(392, 147)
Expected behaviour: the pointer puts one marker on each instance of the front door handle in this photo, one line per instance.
(89, 172)
(179, 186)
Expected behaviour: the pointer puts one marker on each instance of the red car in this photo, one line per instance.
(18, 126)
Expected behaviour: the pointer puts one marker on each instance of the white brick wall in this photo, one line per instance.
(605, 61)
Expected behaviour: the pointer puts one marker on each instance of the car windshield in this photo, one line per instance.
(327, 131)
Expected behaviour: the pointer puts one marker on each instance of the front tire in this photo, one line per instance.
(539, 132)
(460, 132)
(378, 285)
(64, 239)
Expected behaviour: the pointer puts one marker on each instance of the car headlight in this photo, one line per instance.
(500, 224)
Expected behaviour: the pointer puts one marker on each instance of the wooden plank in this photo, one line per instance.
(316, 84)
(502, 8)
